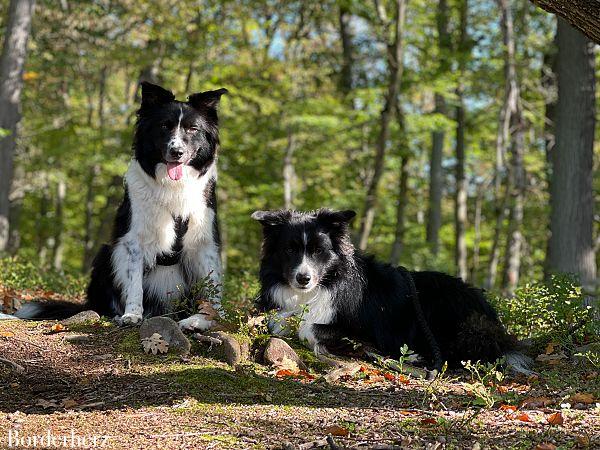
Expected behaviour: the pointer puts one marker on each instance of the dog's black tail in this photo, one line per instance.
(50, 310)
(431, 340)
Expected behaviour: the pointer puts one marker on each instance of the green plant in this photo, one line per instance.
(555, 310)
(484, 379)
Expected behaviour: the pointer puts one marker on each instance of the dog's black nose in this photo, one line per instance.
(303, 279)
(176, 153)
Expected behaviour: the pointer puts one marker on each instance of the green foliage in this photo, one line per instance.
(18, 274)
(555, 310)
(484, 379)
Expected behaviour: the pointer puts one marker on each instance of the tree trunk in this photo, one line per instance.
(398, 245)
(346, 75)
(395, 66)
(516, 179)
(289, 174)
(476, 232)
(582, 14)
(436, 180)
(58, 248)
(12, 62)
(572, 198)
(88, 238)
(460, 209)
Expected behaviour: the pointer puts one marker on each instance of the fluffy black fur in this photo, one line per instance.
(371, 300)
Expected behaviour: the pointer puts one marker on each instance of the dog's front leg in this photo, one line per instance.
(128, 264)
(324, 338)
(207, 264)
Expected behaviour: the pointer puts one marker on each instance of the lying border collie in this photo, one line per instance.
(310, 268)
(165, 236)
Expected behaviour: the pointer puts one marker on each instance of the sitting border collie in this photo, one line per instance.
(165, 236)
(310, 268)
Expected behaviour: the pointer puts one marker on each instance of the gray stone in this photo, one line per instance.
(78, 338)
(231, 350)
(82, 317)
(277, 349)
(170, 332)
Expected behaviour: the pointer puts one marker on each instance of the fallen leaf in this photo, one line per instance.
(536, 402)
(403, 379)
(429, 421)
(508, 408)
(550, 348)
(581, 398)
(207, 310)
(388, 376)
(545, 446)
(287, 364)
(336, 430)
(69, 403)
(284, 373)
(346, 370)
(555, 419)
(57, 328)
(583, 441)
(7, 333)
(255, 321)
(523, 417)
(155, 344)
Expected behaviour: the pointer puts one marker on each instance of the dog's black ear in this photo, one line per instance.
(335, 219)
(154, 95)
(208, 99)
(270, 218)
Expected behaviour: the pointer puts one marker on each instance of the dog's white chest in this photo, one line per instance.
(314, 307)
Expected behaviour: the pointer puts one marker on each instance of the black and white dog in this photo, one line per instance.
(165, 236)
(310, 268)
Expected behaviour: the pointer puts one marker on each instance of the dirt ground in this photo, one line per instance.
(105, 392)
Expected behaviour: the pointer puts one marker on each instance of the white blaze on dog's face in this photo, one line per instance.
(303, 245)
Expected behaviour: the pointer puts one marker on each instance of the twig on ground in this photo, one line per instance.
(313, 444)
(208, 339)
(16, 367)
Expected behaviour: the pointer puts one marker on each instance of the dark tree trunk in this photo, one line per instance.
(582, 14)
(58, 248)
(398, 245)
(88, 239)
(436, 180)
(395, 66)
(572, 199)
(460, 209)
(12, 62)
(346, 75)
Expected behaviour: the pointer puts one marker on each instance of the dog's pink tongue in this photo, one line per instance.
(175, 171)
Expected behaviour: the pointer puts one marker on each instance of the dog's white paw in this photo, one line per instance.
(128, 319)
(197, 322)
(321, 350)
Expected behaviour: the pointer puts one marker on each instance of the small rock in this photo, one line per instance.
(170, 332)
(77, 338)
(231, 350)
(277, 349)
(82, 317)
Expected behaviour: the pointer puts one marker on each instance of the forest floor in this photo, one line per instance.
(107, 387)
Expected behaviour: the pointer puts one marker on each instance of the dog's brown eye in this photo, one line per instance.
(289, 250)
(318, 251)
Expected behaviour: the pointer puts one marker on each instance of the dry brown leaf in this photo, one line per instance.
(346, 370)
(553, 359)
(582, 398)
(287, 364)
(207, 310)
(523, 417)
(555, 419)
(583, 441)
(429, 421)
(155, 344)
(336, 430)
(69, 403)
(6, 334)
(536, 402)
(46, 403)
(508, 408)
(550, 348)
(57, 328)
(545, 446)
